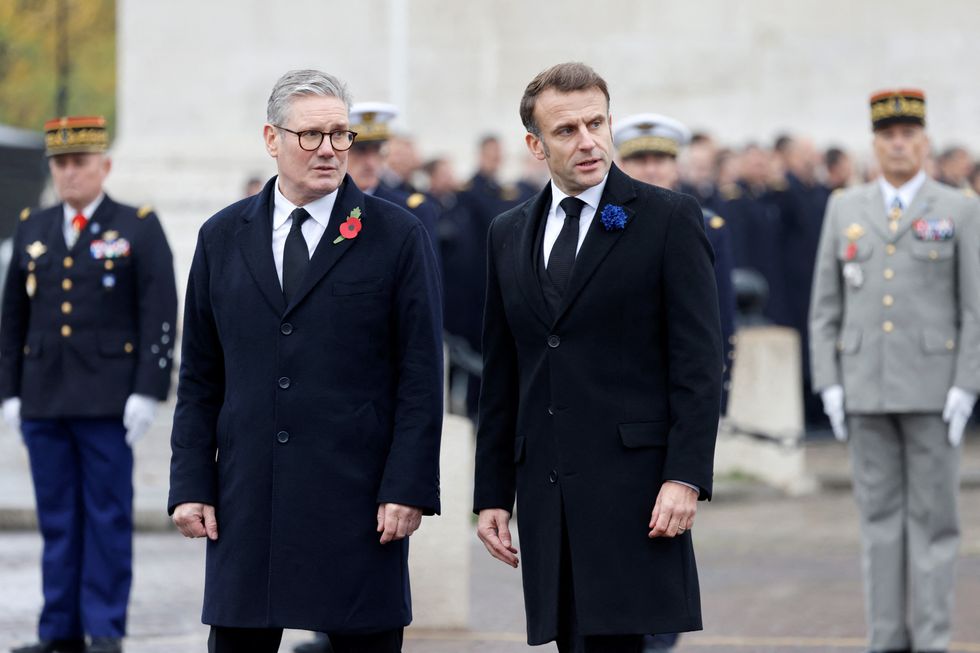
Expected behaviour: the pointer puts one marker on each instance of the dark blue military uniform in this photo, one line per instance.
(419, 205)
(83, 328)
(719, 236)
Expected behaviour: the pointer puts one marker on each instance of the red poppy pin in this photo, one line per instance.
(351, 227)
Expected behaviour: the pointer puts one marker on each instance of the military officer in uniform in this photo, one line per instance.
(648, 145)
(372, 122)
(895, 353)
(86, 347)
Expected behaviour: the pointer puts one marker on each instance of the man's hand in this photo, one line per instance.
(138, 417)
(833, 407)
(11, 412)
(673, 513)
(396, 522)
(196, 520)
(492, 528)
(959, 407)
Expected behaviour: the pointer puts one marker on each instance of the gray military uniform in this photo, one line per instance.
(895, 320)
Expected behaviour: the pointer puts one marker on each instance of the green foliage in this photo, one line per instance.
(29, 76)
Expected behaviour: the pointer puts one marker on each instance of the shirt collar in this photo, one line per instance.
(906, 192)
(590, 196)
(319, 209)
(88, 211)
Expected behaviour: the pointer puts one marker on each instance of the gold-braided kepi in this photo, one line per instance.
(889, 107)
(75, 134)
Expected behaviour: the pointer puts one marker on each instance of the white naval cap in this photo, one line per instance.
(649, 132)
(372, 120)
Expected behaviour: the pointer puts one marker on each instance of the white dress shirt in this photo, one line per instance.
(70, 213)
(906, 193)
(556, 215)
(319, 211)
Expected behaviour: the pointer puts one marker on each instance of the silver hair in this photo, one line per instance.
(303, 82)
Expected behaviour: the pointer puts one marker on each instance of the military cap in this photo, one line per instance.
(372, 121)
(650, 133)
(890, 107)
(75, 134)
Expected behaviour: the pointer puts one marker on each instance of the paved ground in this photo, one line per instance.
(777, 574)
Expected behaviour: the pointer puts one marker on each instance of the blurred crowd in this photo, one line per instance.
(771, 195)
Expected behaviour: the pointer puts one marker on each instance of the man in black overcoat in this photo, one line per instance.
(599, 409)
(309, 404)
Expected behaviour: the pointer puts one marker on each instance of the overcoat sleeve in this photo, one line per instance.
(200, 392)
(694, 349)
(13, 324)
(411, 475)
(495, 483)
(826, 305)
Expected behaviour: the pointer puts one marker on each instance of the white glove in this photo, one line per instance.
(138, 416)
(833, 406)
(11, 412)
(959, 407)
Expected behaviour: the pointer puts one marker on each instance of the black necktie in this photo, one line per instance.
(562, 257)
(295, 256)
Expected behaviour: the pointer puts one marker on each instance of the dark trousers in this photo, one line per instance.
(83, 485)
(570, 638)
(266, 640)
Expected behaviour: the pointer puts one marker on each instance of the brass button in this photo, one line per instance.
(69, 261)
(887, 300)
(128, 348)
(109, 265)
(950, 344)
(893, 226)
(31, 265)
(66, 284)
(888, 327)
(889, 273)
(65, 330)
(66, 307)
(933, 254)
(889, 249)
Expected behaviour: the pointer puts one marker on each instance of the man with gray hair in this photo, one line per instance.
(309, 405)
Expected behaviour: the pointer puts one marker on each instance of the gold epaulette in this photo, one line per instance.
(414, 200)
(25, 213)
(144, 211)
(716, 222)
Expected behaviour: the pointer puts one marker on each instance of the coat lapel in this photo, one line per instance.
(528, 280)
(103, 218)
(599, 241)
(326, 254)
(922, 203)
(874, 212)
(255, 239)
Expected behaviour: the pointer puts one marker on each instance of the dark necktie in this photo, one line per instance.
(295, 256)
(562, 257)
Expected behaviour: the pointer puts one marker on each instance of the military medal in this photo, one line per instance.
(934, 229)
(35, 250)
(31, 285)
(852, 272)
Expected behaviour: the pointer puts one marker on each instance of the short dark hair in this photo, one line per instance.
(564, 78)
(833, 156)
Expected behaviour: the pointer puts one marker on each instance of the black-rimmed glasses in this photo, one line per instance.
(311, 139)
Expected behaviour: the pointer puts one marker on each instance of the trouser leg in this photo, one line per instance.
(57, 490)
(244, 640)
(932, 525)
(107, 490)
(388, 641)
(878, 459)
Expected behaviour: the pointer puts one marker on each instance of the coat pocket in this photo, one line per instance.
(849, 341)
(644, 434)
(937, 341)
(116, 343)
(519, 448)
(344, 288)
(34, 346)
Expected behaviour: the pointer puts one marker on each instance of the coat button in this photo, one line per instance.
(283, 382)
(66, 284)
(286, 328)
(553, 341)
(65, 330)
(553, 476)
(551, 410)
(282, 436)
(68, 262)
(889, 273)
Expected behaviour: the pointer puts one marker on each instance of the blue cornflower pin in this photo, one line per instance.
(614, 218)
